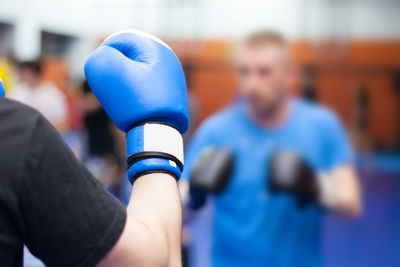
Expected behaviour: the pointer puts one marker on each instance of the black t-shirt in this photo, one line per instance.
(48, 200)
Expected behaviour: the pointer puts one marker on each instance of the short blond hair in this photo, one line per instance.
(265, 37)
(268, 38)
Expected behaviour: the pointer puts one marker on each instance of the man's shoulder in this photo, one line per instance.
(15, 114)
(222, 118)
(11, 105)
(317, 113)
(18, 124)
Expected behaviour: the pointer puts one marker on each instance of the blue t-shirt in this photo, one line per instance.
(249, 226)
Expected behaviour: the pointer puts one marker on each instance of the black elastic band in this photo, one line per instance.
(139, 174)
(132, 159)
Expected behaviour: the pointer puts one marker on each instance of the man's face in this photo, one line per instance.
(264, 76)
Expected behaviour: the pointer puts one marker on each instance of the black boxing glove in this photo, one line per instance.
(290, 173)
(211, 174)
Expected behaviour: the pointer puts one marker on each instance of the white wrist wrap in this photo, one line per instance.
(163, 138)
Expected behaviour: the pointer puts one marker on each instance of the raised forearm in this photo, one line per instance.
(140, 83)
(152, 234)
(155, 204)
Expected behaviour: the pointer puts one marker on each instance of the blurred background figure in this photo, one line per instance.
(268, 164)
(308, 90)
(396, 85)
(347, 55)
(42, 95)
(102, 156)
(360, 118)
(194, 112)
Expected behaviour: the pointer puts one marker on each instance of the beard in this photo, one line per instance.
(264, 110)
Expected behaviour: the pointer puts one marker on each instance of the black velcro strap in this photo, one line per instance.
(132, 159)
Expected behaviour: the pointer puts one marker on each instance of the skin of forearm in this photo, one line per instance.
(347, 191)
(155, 203)
(152, 233)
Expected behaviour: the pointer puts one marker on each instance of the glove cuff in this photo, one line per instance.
(154, 147)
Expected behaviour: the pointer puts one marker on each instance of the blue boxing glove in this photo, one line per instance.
(2, 90)
(140, 83)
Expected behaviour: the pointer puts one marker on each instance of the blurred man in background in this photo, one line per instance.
(41, 95)
(102, 156)
(289, 161)
(308, 89)
(361, 113)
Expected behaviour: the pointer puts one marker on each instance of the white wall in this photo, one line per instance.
(208, 18)
(200, 19)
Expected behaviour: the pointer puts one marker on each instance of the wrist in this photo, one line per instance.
(154, 147)
(327, 192)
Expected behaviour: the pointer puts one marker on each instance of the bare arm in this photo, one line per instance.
(152, 234)
(344, 189)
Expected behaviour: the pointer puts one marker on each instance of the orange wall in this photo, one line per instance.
(338, 68)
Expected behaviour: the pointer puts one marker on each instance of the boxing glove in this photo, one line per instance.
(211, 174)
(291, 173)
(139, 81)
(2, 89)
